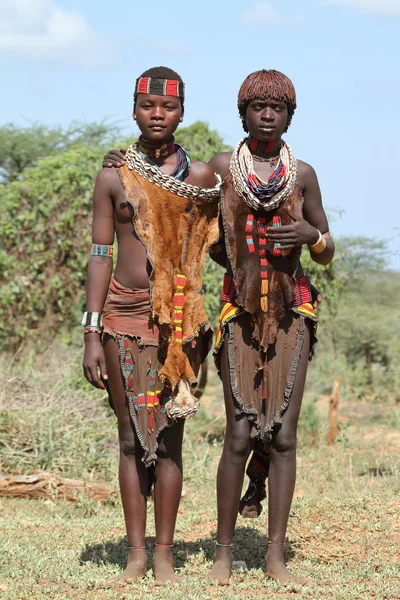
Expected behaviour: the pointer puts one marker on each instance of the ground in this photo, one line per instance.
(343, 536)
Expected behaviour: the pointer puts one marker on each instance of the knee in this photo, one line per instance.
(127, 442)
(238, 442)
(285, 442)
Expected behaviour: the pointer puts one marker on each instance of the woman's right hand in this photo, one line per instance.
(94, 361)
(114, 158)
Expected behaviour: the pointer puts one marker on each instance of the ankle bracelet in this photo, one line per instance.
(163, 545)
(136, 548)
(223, 545)
(272, 543)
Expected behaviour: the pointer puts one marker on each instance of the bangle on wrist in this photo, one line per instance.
(319, 245)
(92, 320)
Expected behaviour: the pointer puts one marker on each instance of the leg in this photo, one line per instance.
(167, 495)
(237, 447)
(132, 472)
(282, 475)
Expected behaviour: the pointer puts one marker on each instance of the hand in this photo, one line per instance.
(114, 158)
(315, 296)
(94, 360)
(291, 236)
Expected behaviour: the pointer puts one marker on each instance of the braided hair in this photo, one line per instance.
(161, 73)
(267, 85)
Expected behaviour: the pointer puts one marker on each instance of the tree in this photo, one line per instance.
(23, 147)
(200, 142)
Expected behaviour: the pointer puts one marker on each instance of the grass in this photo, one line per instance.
(344, 530)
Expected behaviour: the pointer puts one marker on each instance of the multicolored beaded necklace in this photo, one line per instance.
(148, 149)
(262, 196)
(264, 190)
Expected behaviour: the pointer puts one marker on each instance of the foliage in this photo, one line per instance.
(23, 147)
(44, 245)
(200, 142)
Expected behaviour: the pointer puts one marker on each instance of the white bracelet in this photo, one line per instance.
(92, 319)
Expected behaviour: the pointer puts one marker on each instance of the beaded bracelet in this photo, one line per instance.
(91, 330)
(319, 245)
(102, 250)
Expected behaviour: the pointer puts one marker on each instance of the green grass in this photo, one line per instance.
(344, 530)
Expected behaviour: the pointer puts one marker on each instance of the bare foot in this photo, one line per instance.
(136, 567)
(222, 568)
(163, 566)
(277, 570)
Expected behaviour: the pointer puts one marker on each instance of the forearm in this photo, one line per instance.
(99, 275)
(325, 257)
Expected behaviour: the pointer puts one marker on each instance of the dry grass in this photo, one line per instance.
(344, 530)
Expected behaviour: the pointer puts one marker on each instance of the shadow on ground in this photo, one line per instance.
(250, 546)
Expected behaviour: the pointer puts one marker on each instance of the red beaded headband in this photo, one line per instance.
(160, 87)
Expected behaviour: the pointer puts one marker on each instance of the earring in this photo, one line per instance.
(134, 117)
(180, 120)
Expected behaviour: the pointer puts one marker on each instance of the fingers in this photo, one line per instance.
(91, 374)
(96, 381)
(103, 368)
(281, 229)
(123, 151)
(288, 246)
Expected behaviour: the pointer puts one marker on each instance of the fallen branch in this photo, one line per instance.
(47, 485)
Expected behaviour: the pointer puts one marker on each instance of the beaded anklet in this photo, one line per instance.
(163, 545)
(223, 545)
(136, 548)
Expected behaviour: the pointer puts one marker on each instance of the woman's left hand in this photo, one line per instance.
(291, 236)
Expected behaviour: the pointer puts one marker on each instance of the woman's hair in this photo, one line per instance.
(267, 85)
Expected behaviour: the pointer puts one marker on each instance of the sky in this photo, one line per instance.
(65, 60)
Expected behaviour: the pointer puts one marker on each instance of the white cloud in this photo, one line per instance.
(265, 13)
(382, 7)
(40, 30)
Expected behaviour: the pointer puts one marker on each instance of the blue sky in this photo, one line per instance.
(63, 60)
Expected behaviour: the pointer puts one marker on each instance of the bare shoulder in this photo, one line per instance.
(202, 174)
(220, 163)
(306, 174)
(108, 180)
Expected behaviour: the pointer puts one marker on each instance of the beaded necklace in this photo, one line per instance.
(148, 149)
(155, 149)
(261, 196)
(258, 194)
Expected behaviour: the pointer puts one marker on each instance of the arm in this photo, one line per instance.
(306, 229)
(315, 215)
(217, 251)
(220, 163)
(99, 274)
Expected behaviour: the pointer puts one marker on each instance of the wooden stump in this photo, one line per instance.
(333, 429)
(46, 485)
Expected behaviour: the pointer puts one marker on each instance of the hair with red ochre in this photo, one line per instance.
(267, 85)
